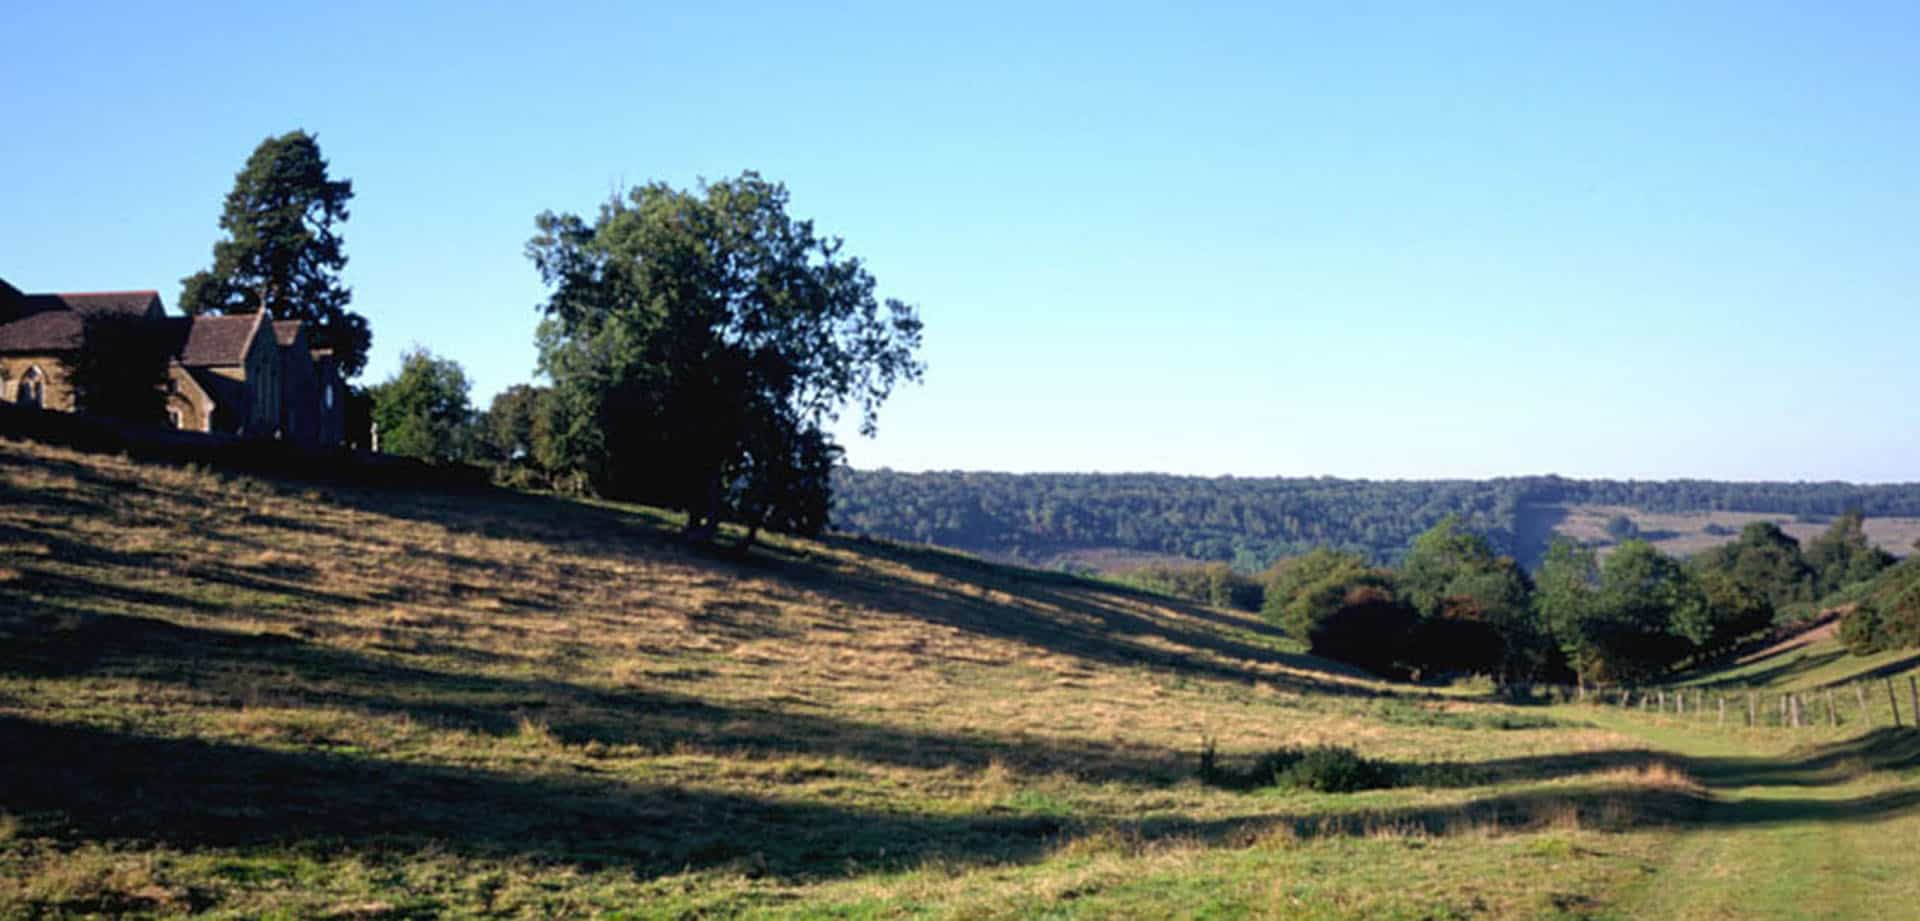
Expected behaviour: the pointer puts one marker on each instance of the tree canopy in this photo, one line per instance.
(1252, 521)
(282, 252)
(700, 341)
(122, 372)
(422, 411)
(1844, 555)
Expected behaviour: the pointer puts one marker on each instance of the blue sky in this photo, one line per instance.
(1353, 239)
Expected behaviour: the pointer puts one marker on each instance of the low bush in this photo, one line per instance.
(1331, 769)
(1887, 615)
(1864, 631)
(1323, 769)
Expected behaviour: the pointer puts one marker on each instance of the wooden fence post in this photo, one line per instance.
(1860, 691)
(1833, 710)
(1723, 711)
(1894, 702)
(1680, 703)
(1752, 709)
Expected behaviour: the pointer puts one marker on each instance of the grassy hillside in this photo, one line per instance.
(1687, 533)
(244, 698)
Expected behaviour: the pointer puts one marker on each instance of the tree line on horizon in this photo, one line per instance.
(1250, 522)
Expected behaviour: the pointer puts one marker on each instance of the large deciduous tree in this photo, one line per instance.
(1631, 635)
(1476, 606)
(282, 252)
(422, 411)
(1843, 555)
(513, 429)
(1342, 607)
(700, 341)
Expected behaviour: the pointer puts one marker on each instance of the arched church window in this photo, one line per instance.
(33, 388)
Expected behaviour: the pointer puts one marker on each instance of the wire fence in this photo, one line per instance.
(1867, 702)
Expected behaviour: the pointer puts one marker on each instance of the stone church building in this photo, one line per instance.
(244, 375)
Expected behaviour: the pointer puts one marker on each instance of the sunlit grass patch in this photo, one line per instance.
(251, 698)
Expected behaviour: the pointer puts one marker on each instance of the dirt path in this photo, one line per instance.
(1823, 832)
(1827, 626)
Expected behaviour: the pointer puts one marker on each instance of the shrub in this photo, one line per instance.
(1621, 527)
(1363, 625)
(1331, 769)
(1863, 630)
(1324, 769)
(1888, 616)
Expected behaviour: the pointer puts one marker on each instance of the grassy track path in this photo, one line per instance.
(1825, 832)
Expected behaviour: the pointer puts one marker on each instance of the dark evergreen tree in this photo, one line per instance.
(282, 252)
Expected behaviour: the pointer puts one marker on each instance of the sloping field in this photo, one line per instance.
(1818, 661)
(242, 698)
(1687, 533)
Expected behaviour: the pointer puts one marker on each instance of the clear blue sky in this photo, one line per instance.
(1353, 239)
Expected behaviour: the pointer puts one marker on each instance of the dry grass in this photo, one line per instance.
(1684, 533)
(255, 697)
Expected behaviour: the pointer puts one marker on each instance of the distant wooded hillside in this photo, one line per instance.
(1250, 522)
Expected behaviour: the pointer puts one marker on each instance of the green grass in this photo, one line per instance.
(244, 698)
(1821, 664)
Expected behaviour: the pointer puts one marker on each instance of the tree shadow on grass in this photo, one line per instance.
(87, 784)
(1052, 613)
(1800, 664)
(278, 671)
(1825, 765)
(1888, 670)
(1609, 808)
(1064, 615)
(1089, 620)
(82, 783)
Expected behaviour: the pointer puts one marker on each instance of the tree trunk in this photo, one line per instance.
(745, 545)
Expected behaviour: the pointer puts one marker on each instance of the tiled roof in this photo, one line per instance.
(286, 332)
(134, 303)
(212, 340)
(54, 323)
(17, 306)
(47, 331)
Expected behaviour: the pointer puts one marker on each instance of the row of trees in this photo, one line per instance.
(1251, 522)
(1454, 605)
(697, 343)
